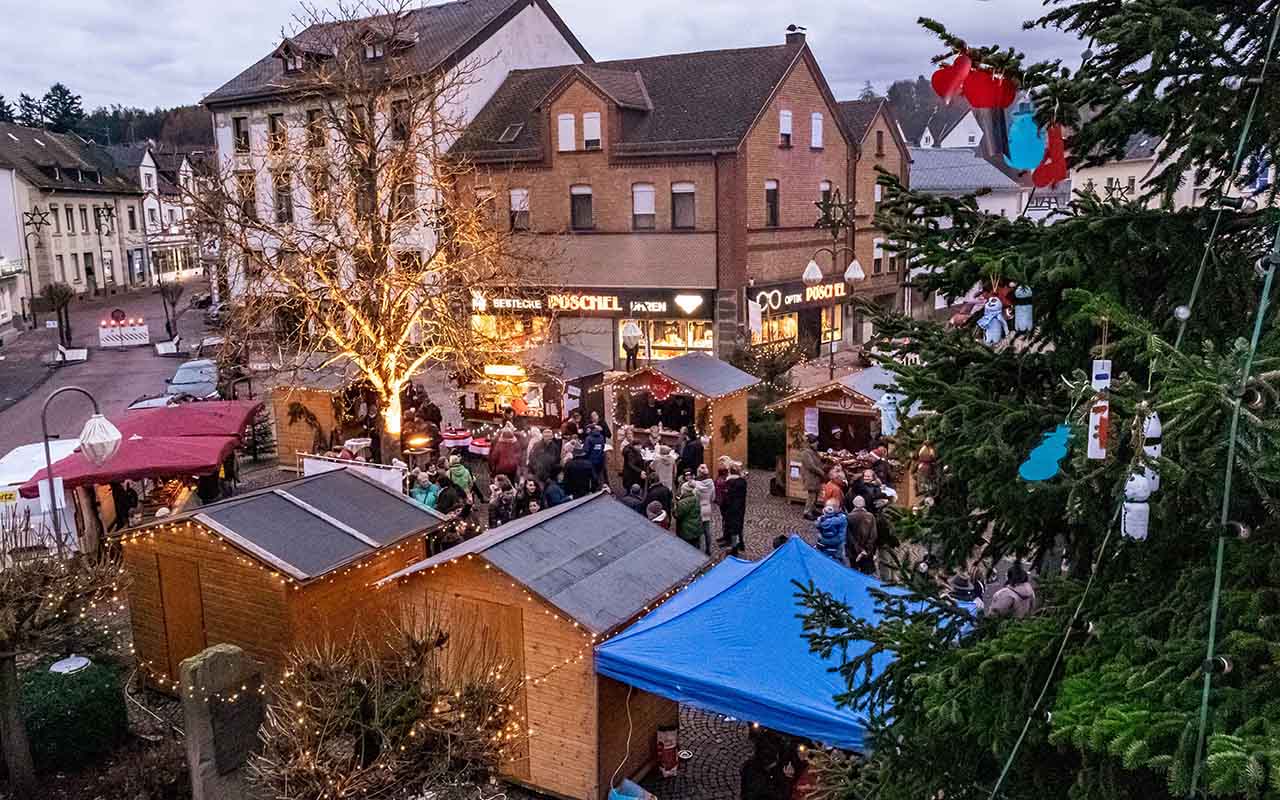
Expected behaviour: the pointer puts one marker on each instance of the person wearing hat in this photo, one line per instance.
(812, 473)
(1017, 598)
(832, 529)
(863, 537)
(460, 475)
(965, 593)
(657, 514)
(634, 499)
(688, 515)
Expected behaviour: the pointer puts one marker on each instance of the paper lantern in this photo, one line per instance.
(984, 89)
(1053, 168)
(948, 80)
(99, 440)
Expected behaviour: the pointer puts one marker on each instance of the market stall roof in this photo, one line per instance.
(207, 418)
(139, 457)
(731, 643)
(21, 463)
(314, 525)
(593, 558)
(702, 374)
(870, 385)
(563, 362)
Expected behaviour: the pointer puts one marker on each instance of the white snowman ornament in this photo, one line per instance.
(993, 324)
(1137, 512)
(1152, 447)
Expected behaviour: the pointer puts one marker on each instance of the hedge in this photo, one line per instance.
(73, 719)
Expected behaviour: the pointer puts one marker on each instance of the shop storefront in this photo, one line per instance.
(672, 322)
(789, 312)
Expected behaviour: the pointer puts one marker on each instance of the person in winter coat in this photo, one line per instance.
(599, 423)
(734, 508)
(544, 457)
(869, 489)
(657, 514)
(579, 475)
(705, 489)
(460, 475)
(834, 489)
(450, 498)
(634, 499)
(691, 454)
(594, 444)
(1017, 598)
(688, 516)
(863, 537)
(664, 466)
(812, 473)
(505, 454)
(532, 441)
(633, 466)
(832, 529)
(880, 466)
(568, 445)
(553, 492)
(529, 494)
(572, 426)
(660, 494)
(502, 502)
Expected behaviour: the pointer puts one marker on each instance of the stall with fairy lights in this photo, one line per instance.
(547, 588)
(541, 386)
(269, 570)
(659, 400)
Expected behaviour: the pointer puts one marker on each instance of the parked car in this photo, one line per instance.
(201, 300)
(159, 401)
(198, 378)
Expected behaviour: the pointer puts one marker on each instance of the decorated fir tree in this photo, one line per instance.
(1102, 693)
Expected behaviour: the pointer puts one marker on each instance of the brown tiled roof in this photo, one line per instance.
(623, 87)
(859, 114)
(446, 33)
(700, 102)
(34, 154)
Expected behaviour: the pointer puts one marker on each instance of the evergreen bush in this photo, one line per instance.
(73, 719)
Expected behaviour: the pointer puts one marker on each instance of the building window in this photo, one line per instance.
(661, 339)
(404, 198)
(683, 206)
(293, 63)
(400, 120)
(565, 133)
(173, 216)
(152, 218)
(133, 218)
(877, 256)
(315, 128)
(321, 201)
(580, 218)
(876, 192)
(275, 132)
(84, 219)
(71, 219)
(88, 264)
(771, 210)
(149, 180)
(643, 207)
(254, 260)
(591, 130)
(519, 209)
(75, 266)
(784, 128)
(510, 133)
(880, 143)
(374, 51)
(815, 131)
(1133, 184)
(893, 259)
(240, 130)
(777, 328)
(57, 221)
(248, 195)
(62, 268)
(831, 319)
(824, 191)
(284, 197)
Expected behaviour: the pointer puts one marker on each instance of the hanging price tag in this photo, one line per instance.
(1099, 428)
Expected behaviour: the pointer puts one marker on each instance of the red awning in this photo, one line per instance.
(155, 457)
(207, 418)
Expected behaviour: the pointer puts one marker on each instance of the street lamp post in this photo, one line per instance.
(36, 219)
(102, 217)
(837, 217)
(99, 441)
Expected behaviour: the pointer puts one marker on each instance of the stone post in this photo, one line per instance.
(222, 706)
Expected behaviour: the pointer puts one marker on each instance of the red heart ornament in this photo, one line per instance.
(983, 89)
(949, 79)
(1054, 166)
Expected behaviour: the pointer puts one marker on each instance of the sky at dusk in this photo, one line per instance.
(169, 52)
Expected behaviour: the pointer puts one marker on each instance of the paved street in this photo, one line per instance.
(115, 377)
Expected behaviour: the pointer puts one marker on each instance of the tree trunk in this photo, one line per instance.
(13, 732)
(390, 433)
(65, 315)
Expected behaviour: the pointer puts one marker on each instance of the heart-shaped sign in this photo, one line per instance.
(948, 80)
(984, 89)
(1054, 167)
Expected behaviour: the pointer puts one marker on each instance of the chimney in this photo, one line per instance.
(795, 34)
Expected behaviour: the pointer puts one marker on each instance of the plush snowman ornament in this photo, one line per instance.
(993, 324)
(1137, 513)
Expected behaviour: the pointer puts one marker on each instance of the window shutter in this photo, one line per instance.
(815, 131)
(591, 130)
(565, 139)
(642, 195)
(784, 123)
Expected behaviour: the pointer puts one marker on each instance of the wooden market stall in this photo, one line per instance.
(304, 409)
(269, 570)
(541, 385)
(664, 397)
(854, 405)
(546, 588)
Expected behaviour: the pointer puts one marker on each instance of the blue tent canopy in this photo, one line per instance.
(731, 643)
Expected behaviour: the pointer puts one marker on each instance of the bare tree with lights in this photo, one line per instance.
(366, 251)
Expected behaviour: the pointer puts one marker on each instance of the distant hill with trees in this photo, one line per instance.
(62, 111)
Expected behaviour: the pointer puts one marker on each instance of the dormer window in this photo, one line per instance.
(374, 51)
(511, 133)
(293, 62)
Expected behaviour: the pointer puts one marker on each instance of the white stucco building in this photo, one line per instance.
(491, 37)
(166, 249)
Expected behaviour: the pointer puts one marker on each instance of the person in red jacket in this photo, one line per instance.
(504, 455)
